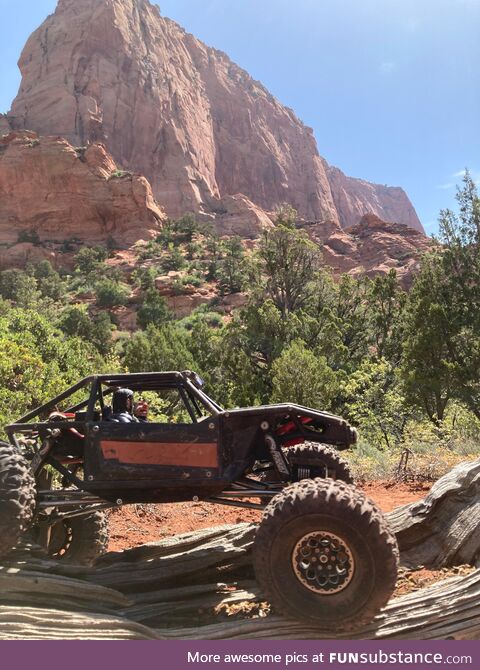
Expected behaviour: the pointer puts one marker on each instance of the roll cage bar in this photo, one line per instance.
(193, 397)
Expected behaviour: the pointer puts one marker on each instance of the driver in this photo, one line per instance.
(122, 406)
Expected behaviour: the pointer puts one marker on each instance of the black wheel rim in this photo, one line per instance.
(323, 562)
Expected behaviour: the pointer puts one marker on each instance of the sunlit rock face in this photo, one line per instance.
(182, 114)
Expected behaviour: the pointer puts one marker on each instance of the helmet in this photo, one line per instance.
(122, 400)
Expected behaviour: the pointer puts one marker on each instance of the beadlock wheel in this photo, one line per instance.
(324, 553)
(323, 562)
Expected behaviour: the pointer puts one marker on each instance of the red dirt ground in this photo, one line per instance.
(138, 524)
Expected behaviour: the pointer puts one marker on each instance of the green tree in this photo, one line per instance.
(90, 260)
(158, 349)
(144, 277)
(232, 267)
(37, 361)
(185, 227)
(154, 310)
(19, 287)
(442, 338)
(460, 234)
(427, 367)
(50, 283)
(174, 259)
(299, 376)
(374, 403)
(386, 302)
(75, 321)
(289, 261)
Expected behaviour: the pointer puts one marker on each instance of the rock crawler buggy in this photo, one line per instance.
(323, 552)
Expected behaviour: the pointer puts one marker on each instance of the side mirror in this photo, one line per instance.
(195, 379)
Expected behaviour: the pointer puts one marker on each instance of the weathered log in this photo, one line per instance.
(448, 610)
(185, 587)
(443, 529)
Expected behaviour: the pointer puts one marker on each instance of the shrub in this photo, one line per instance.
(154, 310)
(28, 236)
(119, 174)
(173, 261)
(89, 259)
(193, 280)
(110, 293)
(298, 375)
(18, 286)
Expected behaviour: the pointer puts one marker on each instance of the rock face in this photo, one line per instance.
(51, 192)
(371, 247)
(4, 125)
(181, 113)
(355, 197)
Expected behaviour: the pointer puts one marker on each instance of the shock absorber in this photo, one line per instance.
(278, 458)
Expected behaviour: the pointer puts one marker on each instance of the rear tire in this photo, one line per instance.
(17, 496)
(323, 553)
(79, 540)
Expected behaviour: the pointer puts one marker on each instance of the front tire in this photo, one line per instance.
(324, 554)
(17, 497)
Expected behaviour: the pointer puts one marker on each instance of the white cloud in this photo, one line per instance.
(474, 174)
(445, 187)
(387, 67)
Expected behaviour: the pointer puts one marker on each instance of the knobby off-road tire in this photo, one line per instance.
(310, 526)
(17, 496)
(320, 460)
(79, 540)
(309, 461)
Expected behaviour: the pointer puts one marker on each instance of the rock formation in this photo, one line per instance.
(181, 113)
(51, 192)
(371, 247)
(354, 198)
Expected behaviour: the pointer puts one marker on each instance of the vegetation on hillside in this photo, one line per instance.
(404, 367)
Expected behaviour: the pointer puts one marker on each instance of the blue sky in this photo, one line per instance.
(391, 87)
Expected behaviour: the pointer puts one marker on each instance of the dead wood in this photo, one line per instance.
(200, 585)
(442, 529)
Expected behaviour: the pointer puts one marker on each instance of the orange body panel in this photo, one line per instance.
(193, 454)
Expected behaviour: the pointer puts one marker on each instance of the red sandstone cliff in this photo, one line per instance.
(354, 198)
(181, 113)
(54, 192)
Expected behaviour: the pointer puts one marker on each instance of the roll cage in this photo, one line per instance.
(102, 386)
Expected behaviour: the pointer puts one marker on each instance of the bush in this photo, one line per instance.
(90, 259)
(154, 310)
(173, 261)
(192, 280)
(300, 376)
(110, 294)
(75, 321)
(164, 348)
(145, 277)
(119, 174)
(50, 283)
(18, 286)
(29, 236)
